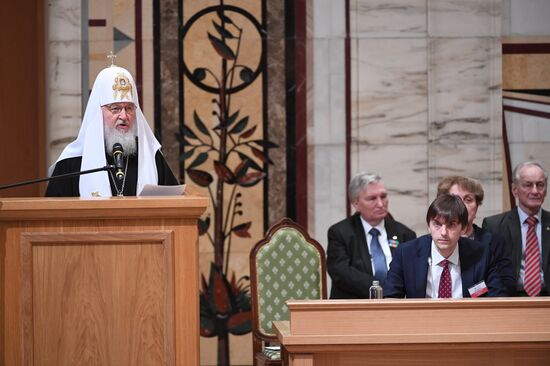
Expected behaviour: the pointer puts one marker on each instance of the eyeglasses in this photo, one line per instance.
(116, 109)
(540, 186)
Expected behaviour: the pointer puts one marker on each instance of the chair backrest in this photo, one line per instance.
(286, 264)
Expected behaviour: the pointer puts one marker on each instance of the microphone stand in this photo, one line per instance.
(55, 177)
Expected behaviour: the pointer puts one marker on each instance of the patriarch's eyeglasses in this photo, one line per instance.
(117, 109)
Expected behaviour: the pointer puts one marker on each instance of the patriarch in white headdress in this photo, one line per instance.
(114, 86)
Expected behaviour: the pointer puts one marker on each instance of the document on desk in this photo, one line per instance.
(156, 190)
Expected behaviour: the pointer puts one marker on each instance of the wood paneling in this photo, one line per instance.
(104, 299)
(22, 95)
(492, 331)
(106, 282)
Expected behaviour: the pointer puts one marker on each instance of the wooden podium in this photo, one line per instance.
(503, 331)
(99, 281)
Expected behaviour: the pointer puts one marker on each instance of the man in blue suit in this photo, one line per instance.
(443, 264)
(471, 193)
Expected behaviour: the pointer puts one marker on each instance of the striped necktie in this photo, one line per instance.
(532, 283)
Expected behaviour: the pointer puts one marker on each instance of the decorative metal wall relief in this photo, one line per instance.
(225, 151)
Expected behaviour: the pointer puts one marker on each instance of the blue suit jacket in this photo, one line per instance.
(408, 272)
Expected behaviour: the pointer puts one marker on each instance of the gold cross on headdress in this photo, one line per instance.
(112, 56)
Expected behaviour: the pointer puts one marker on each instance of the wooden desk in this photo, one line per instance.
(106, 281)
(506, 331)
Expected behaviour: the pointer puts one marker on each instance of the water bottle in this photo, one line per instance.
(375, 291)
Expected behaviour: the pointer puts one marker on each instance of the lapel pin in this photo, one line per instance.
(393, 242)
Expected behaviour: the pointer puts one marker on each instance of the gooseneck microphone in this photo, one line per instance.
(118, 153)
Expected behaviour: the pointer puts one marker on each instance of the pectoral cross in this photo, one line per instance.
(112, 56)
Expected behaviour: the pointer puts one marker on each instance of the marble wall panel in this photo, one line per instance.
(326, 132)
(327, 190)
(387, 18)
(354, 84)
(328, 19)
(481, 161)
(464, 18)
(403, 168)
(427, 104)
(329, 79)
(276, 111)
(391, 98)
(319, 92)
(330, 190)
(63, 65)
(465, 79)
(63, 96)
(64, 20)
(465, 114)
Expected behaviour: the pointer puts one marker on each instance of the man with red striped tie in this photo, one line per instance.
(526, 230)
(444, 264)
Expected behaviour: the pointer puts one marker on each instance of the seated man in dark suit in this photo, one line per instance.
(526, 230)
(443, 264)
(360, 247)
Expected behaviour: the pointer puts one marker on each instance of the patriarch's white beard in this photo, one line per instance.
(126, 139)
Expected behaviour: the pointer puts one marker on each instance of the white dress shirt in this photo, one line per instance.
(435, 270)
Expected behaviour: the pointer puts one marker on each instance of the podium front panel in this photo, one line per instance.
(112, 283)
(99, 299)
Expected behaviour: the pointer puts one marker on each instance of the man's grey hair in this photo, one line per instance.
(515, 173)
(360, 181)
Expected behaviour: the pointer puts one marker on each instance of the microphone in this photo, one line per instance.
(119, 163)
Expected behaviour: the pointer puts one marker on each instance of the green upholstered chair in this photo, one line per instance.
(286, 264)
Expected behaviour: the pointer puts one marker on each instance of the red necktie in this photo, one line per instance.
(445, 291)
(532, 283)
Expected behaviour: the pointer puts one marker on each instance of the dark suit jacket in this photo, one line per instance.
(348, 257)
(408, 274)
(508, 226)
(501, 256)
